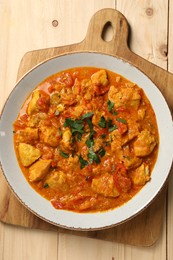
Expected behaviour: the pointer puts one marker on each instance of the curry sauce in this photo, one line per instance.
(86, 139)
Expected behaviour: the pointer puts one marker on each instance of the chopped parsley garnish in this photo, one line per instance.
(102, 122)
(46, 185)
(89, 122)
(87, 115)
(108, 143)
(118, 119)
(89, 142)
(60, 132)
(101, 152)
(76, 127)
(93, 156)
(115, 113)
(65, 155)
(111, 127)
(83, 162)
(110, 105)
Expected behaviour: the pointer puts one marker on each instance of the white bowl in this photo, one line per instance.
(42, 207)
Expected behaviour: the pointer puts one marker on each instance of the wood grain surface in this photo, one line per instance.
(69, 246)
(150, 221)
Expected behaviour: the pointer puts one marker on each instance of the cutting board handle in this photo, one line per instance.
(94, 40)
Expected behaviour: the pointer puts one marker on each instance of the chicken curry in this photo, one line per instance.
(86, 139)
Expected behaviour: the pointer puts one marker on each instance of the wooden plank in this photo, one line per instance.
(147, 39)
(170, 191)
(28, 244)
(123, 252)
(150, 220)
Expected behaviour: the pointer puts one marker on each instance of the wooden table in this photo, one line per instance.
(30, 25)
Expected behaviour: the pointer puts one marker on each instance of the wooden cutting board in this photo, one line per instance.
(145, 228)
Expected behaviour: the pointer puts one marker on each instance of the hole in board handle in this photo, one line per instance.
(107, 32)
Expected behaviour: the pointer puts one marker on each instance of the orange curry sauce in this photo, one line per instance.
(86, 139)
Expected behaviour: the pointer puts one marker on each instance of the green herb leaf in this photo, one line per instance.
(103, 136)
(89, 122)
(110, 105)
(83, 162)
(76, 126)
(92, 132)
(111, 127)
(65, 155)
(102, 122)
(107, 143)
(87, 115)
(101, 152)
(115, 113)
(89, 142)
(118, 119)
(60, 132)
(93, 156)
(79, 136)
(46, 185)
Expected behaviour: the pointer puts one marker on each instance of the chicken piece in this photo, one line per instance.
(27, 135)
(131, 162)
(39, 102)
(49, 135)
(70, 164)
(86, 90)
(39, 169)
(141, 113)
(141, 175)
(133, 131)
(122, 128)
(77, 87)
(32, 107)
(129, 158)
(104, 185)
(144, 143)
(58, 180)
(28, 154)
(66, 141)
(116, 144)
(124, 96)
(100, 78)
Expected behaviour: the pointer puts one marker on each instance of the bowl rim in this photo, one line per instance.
(1, 133)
